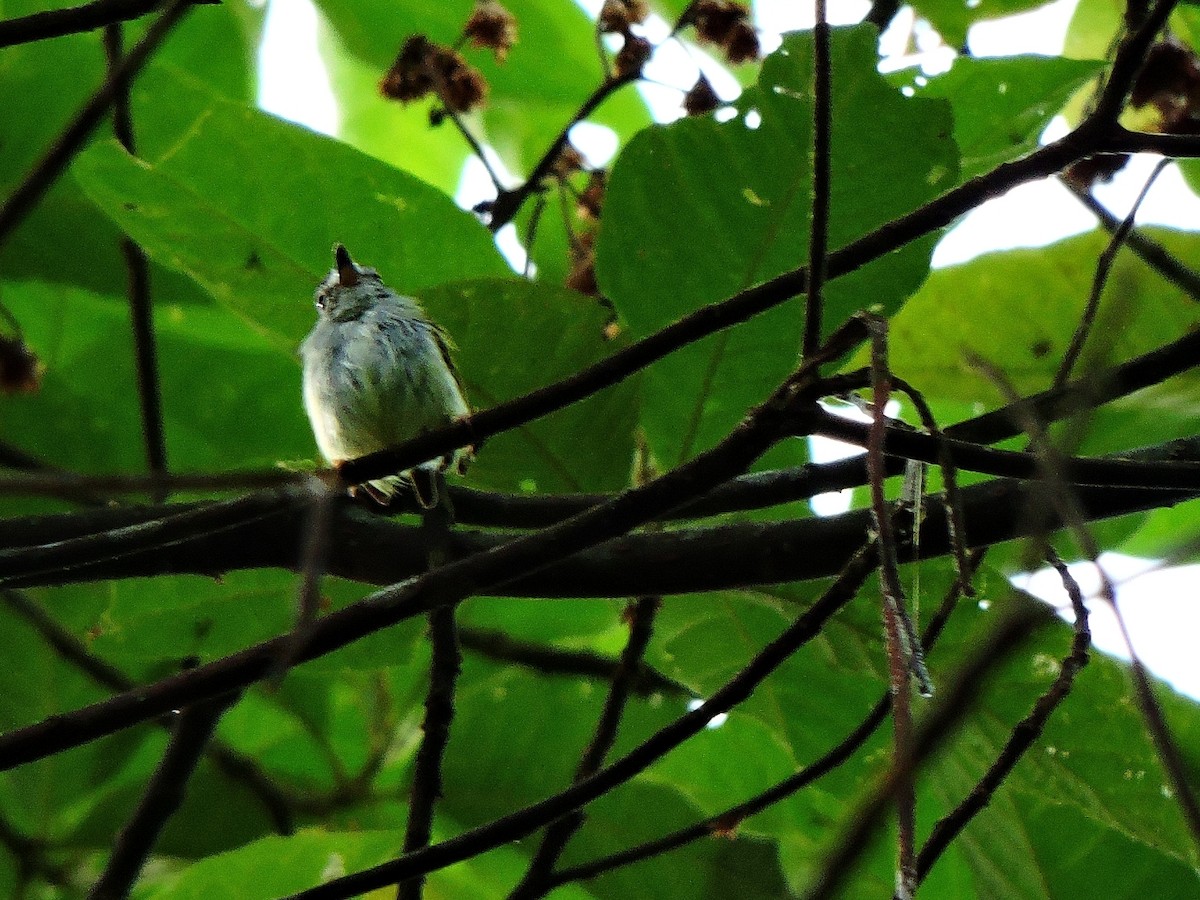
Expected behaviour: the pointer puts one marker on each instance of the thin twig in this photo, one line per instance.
(818, 245)
(1067, 506)
(957, 699)
(1103, 268)
(1149, 251)
(137, 268)
(60, 153)
(474, 144)
(1023, 736)
(163, 796)
(889, 571)
(444, 667)
(722, 822)
(550, 660)
(903, 650)
(313, 562)
(952, 500)
(509, 202)
(538, 879)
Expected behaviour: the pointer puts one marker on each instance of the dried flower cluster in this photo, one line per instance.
(491, 27)
(701, 98)
(424, 67)
(1170, 82)
(725, 24)
(617, 15)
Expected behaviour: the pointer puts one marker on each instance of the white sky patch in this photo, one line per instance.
(293, 82)
(1158, 605)
(1041, 30)
(828, 450)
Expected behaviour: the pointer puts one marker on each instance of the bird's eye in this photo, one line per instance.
(322, 298)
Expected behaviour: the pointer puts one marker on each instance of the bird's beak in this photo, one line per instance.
(347, 271)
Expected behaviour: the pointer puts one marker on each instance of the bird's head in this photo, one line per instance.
(349, 289)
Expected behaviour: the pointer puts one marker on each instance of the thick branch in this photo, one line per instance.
(370, 549)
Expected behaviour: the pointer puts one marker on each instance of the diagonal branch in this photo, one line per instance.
(54, 23)
(59, 155)
(164, 795)
(515, 825)
(450, 583)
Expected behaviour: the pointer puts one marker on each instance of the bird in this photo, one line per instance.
(378, 372)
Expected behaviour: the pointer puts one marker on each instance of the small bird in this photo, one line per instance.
(377, 372)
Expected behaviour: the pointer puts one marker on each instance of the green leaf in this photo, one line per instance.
(230, 397)
(1002, 106)
(1019, 309)
(699, 210)
(513, 337)
(198, 208)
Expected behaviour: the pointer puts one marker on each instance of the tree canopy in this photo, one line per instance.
(628, 659)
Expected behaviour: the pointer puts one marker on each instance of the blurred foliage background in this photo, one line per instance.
(237, 211)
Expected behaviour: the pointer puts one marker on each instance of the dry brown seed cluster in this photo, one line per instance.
(1170, 82)
(726, 24)
(701, 98)
(491, 27)
(617, 15)
(423, 67)
(633, 55)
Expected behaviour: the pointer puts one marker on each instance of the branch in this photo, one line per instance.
(234, 764)
(56, 159)
(444, 667)
(518, 824)
(550, 660)
(1131, 54)
(1149, 251)
(54, 23)
(448, 584)
(818, 244)
(137, 267)
(722, 822)
(538, 878)
(956, 700)
(369, 549)
(164, 795)
(717, 316)
(1023, 736)
(1103, 267)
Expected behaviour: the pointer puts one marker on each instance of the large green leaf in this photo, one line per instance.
(1002, 106)
(45, 83)
(230, 398)
(513, 337)
(1019, 309)
(699, 210)
(198, 208)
